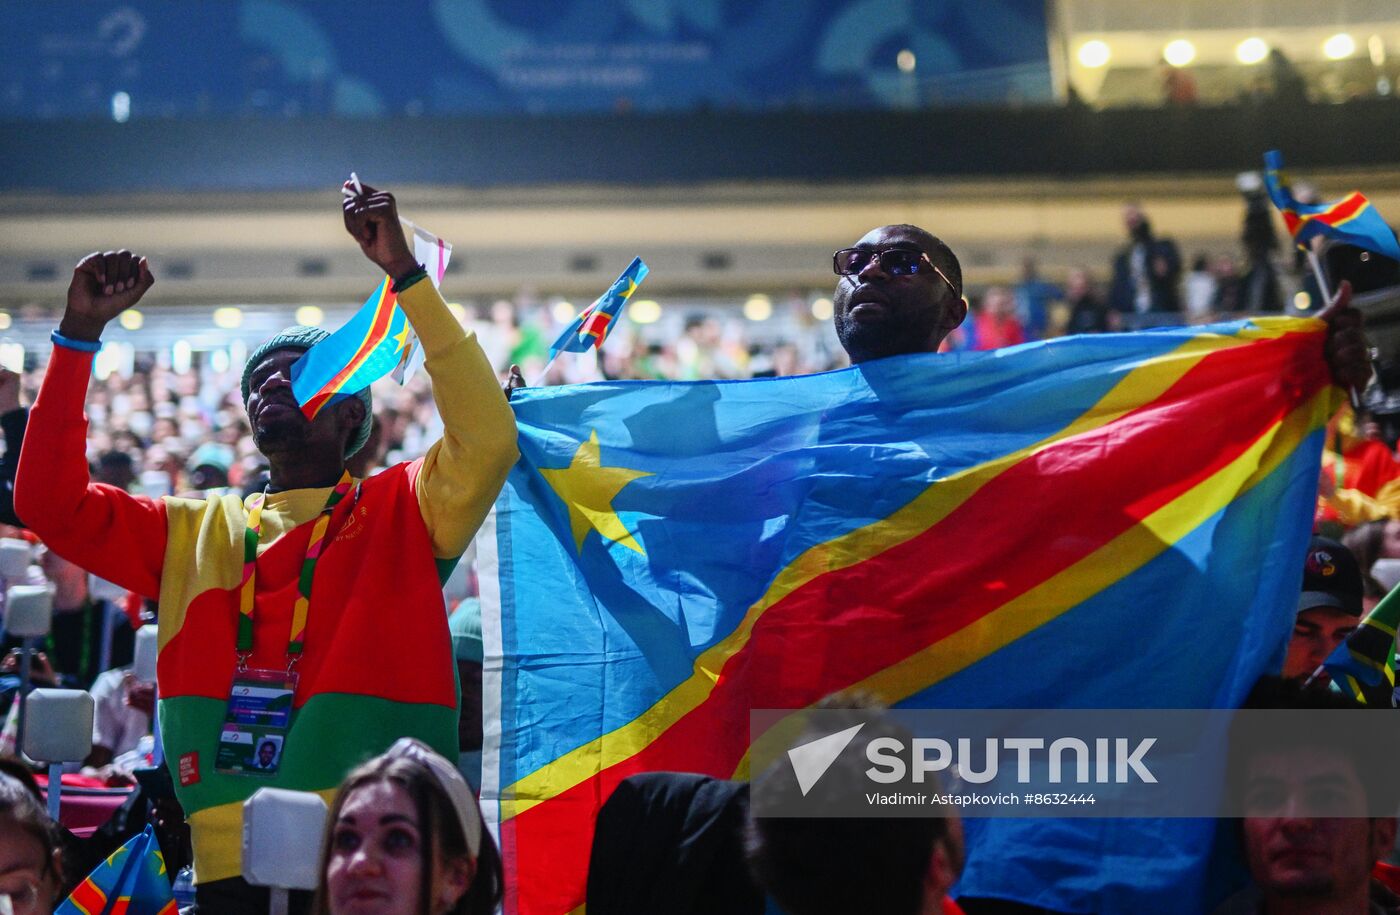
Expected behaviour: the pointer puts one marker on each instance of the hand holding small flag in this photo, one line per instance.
(1348, 354)
(372, 219)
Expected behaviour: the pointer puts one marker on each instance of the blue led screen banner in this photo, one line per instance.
(90, 59)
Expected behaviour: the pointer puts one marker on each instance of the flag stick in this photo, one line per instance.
(539, 382)
(1319, 276)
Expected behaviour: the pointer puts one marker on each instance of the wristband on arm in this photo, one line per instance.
(84, 346)
(408, 279)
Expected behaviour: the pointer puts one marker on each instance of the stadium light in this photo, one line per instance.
(132, 319)
(758, 307)
(1093, 54)
(563, 312)
(228, 317)
(1179, 53)
(121, 107)
(1376, 46)
(906, 61)
(1252, 50)
(1339, 47)
(644, 311)
(5, 320)
(310, 315)
(181, 356)
(12, 355)
(822, 309)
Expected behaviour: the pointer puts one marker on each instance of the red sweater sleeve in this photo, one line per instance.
(108, 532)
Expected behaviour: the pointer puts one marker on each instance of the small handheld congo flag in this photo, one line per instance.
(368, 347)
(594, 323)
(376, 341)
(1352, 220)
(132, 880)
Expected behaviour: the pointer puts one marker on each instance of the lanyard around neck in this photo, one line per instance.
(314, 548)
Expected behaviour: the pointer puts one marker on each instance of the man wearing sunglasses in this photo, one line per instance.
(901, 291)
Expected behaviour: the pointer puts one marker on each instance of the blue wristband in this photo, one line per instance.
(84, 346)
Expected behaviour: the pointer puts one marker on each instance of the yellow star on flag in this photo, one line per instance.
(401, 338)
(631, 288)
(588, 488)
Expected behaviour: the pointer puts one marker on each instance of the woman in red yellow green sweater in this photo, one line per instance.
(302, 631)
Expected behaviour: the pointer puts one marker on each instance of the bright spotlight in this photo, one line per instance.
(131, 319)
(1251, 50)
(228, 317)
(822, 309)
(1093, 54)
(310, 315)
(644, 311)
(758, 308)
(1339, 47)
(1179, 53)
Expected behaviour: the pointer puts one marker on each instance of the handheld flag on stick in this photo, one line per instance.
(366, 349)
(595, 322)
(132, 881)
(375, 342)
(1367, 657)
(1352, 220)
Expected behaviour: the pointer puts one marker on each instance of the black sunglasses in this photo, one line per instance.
(894, 261)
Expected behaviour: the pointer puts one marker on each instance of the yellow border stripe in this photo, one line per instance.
(1144, 384)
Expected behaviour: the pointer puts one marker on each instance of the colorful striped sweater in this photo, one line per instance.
(378, 658)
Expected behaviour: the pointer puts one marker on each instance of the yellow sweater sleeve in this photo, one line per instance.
(1354, 506)
(464, 470)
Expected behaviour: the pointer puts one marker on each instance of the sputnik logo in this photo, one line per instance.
(811, 760)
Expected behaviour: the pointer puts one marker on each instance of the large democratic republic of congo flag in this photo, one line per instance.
(1115, 521)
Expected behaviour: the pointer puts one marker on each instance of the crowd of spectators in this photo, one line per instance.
(155, 427)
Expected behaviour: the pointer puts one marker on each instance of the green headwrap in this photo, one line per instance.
(303, 337)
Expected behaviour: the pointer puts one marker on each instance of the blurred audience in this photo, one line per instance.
(1146, 271)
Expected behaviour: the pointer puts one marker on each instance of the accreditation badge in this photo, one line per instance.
(255, 727)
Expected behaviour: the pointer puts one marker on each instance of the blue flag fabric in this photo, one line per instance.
(132, 881)
(594, 323)
(1108, 521)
